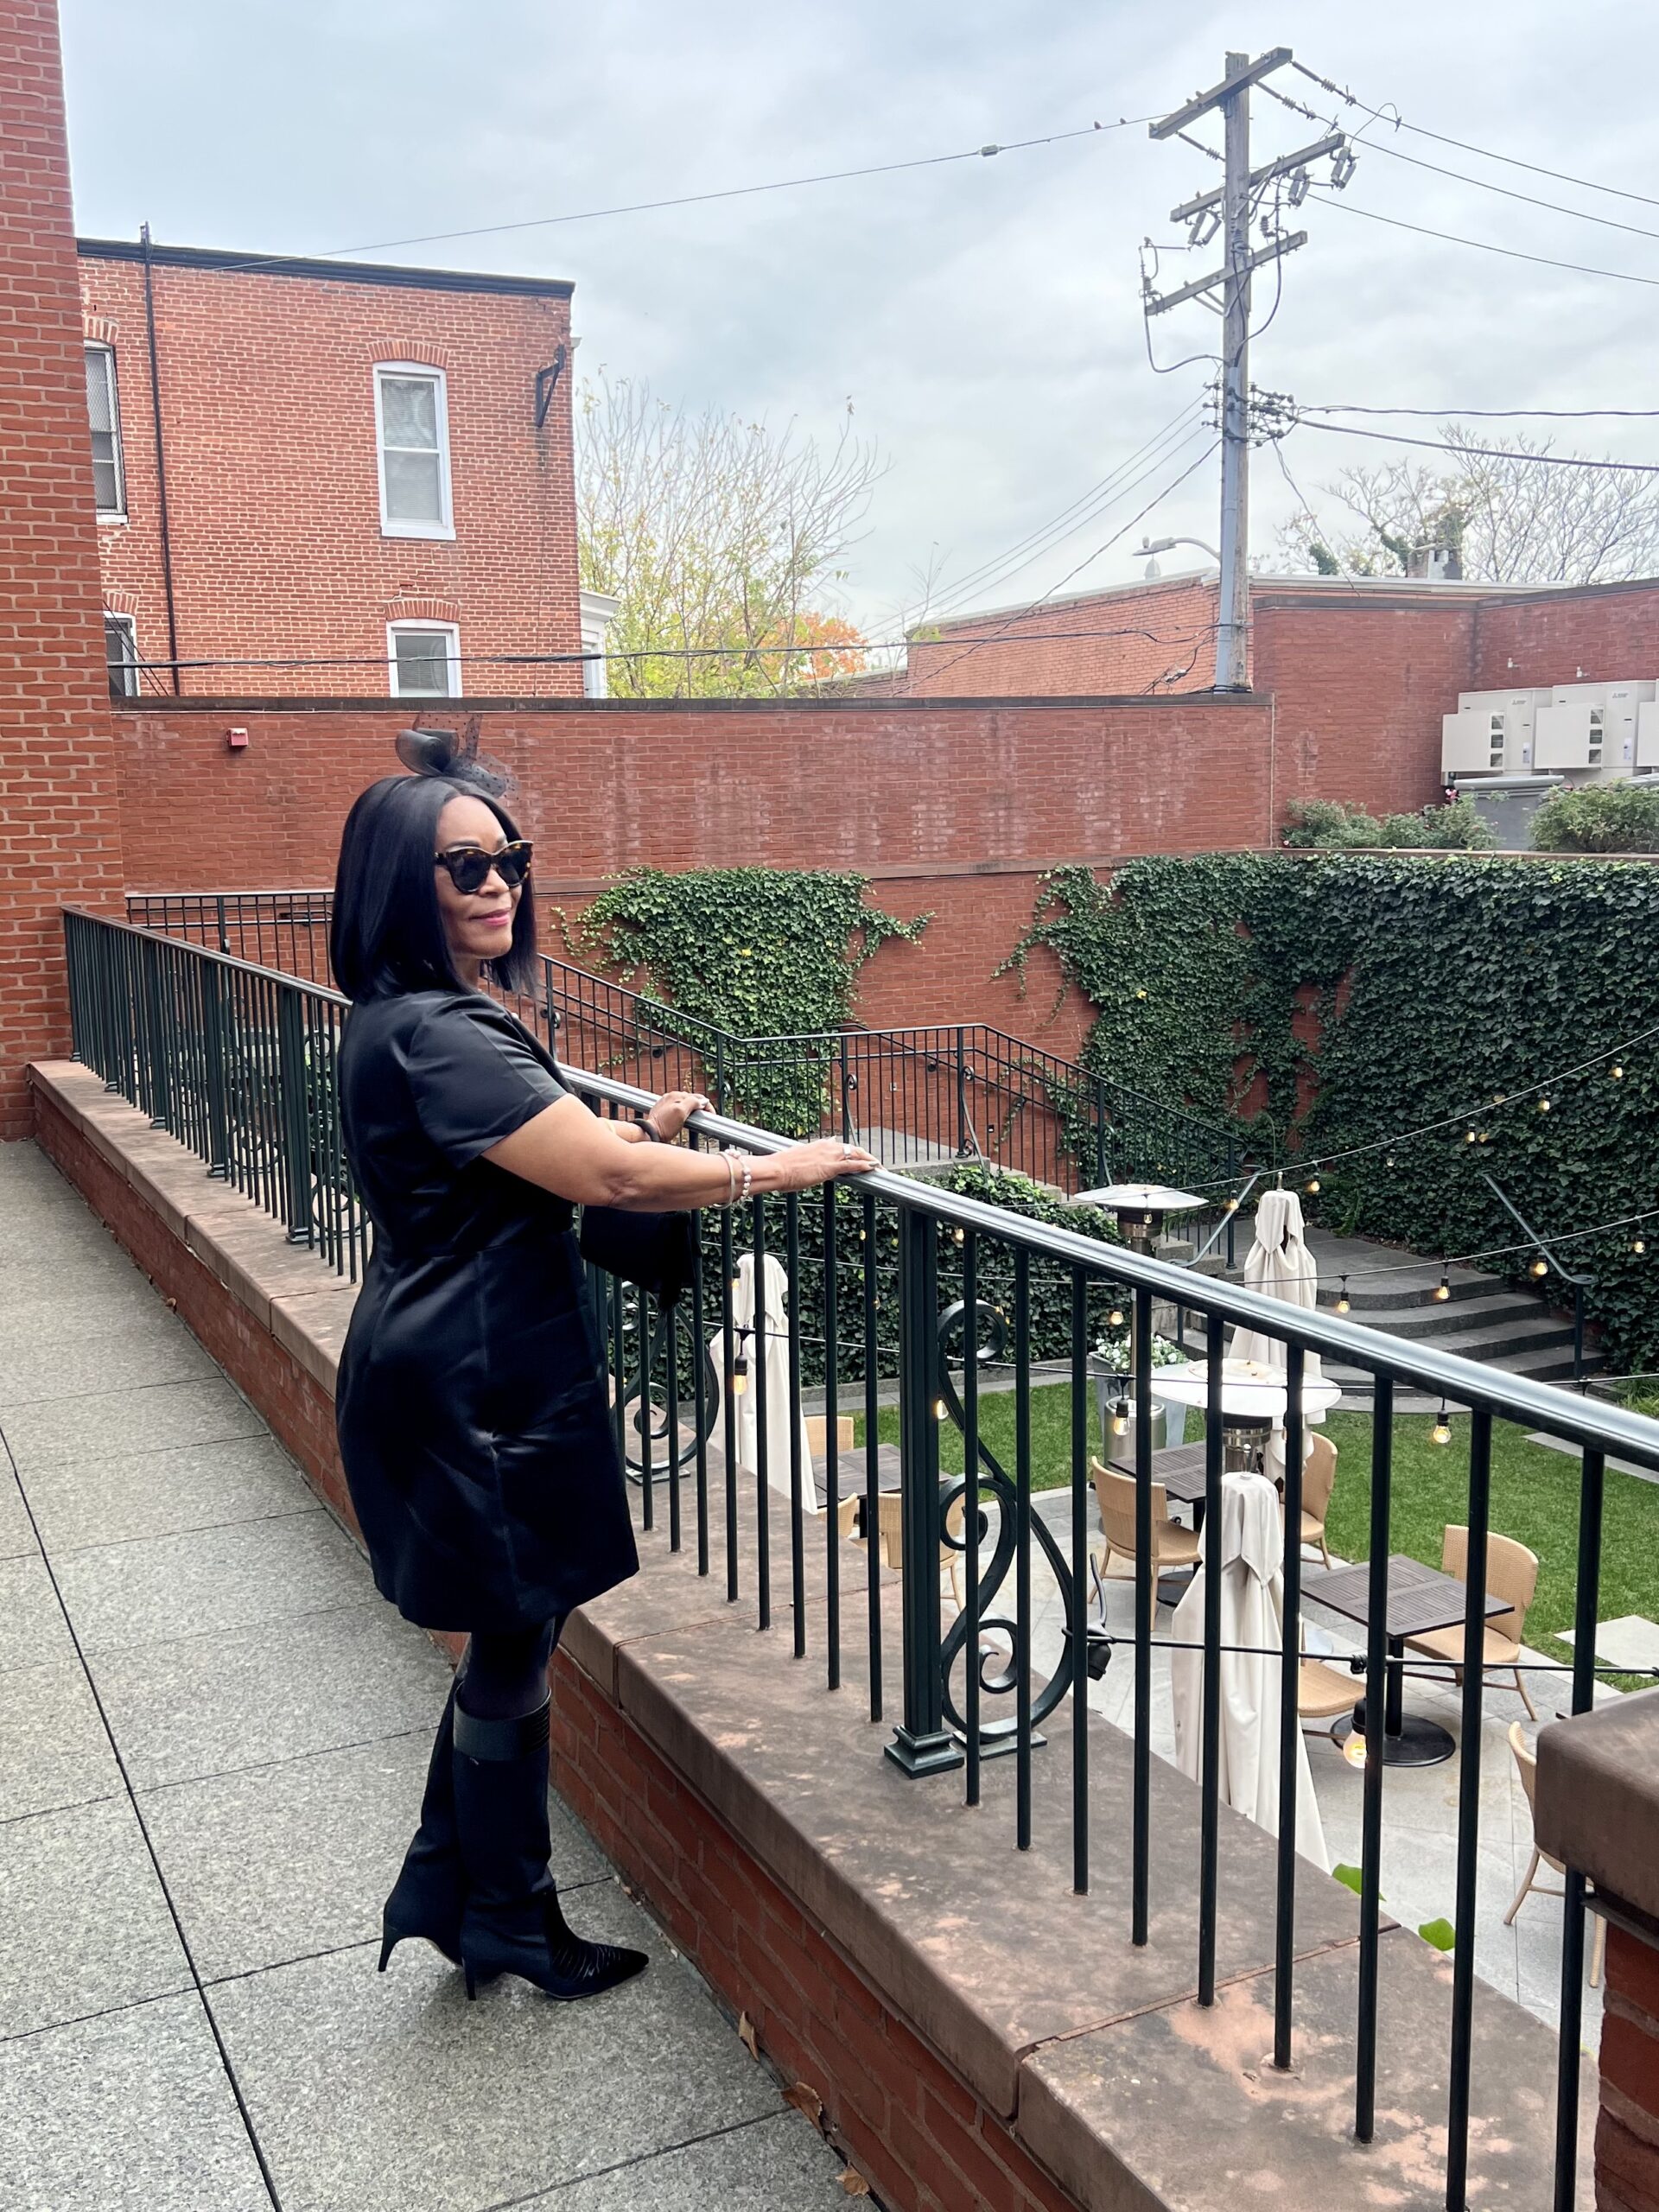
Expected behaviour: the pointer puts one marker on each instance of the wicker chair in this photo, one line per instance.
(1512, 1573)
(1318, 1480)
(1172, 1544)
(1526, 1760)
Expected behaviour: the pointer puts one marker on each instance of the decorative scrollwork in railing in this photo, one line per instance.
(998, 1669)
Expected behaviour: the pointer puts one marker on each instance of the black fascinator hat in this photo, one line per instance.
(452, 755)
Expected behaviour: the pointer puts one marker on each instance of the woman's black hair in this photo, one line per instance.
(387, 931)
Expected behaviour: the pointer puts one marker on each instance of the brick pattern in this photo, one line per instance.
(922, 2139)
(1609, 631)
(1627, 2131)
(1147, 637)
(273, 497)
(60, 825)
(919, 796)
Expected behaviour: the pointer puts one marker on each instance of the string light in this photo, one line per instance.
(1442, 1290)
(1313, 1185)
(1539, 1267)
(962, 1237)
(1354, 1750)
(1342, 1297)
(1114, 1318)
(1121, 1417)
(1232, 1206)
(1617, 1072)
(1639, 1244)
(1469, 1137)
(1543, 1105)
(1441, 1432)
(939, 1408)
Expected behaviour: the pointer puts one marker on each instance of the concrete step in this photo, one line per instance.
(1471, 1317)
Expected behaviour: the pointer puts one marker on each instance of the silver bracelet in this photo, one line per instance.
(730, 1158)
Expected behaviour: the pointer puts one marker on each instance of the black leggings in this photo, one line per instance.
(505, 1671)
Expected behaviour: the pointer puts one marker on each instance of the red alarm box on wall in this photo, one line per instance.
(235, 739)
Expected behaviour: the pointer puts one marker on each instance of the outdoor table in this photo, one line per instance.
(1419, 1598)
(1253, 1403)
(1180, 1469)
(852, 1477)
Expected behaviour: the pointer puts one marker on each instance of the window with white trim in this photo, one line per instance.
(104, 412)
(424, 659)
(411, 421)
(121, 651)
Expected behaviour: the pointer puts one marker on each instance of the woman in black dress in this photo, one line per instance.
(474, 1426)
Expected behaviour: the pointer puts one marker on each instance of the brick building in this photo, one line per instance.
(364, 473)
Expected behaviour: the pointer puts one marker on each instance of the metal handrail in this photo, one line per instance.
(239, 1062)
(1580, 1283)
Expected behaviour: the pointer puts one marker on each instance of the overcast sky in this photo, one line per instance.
(981, 317)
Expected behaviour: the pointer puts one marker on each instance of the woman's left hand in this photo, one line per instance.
(674, 1110)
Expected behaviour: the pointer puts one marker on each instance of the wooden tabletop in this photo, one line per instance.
(1420, 1598)
(1180, 1468)
(852, 1478)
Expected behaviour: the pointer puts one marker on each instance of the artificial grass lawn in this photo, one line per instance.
(1534, 1499)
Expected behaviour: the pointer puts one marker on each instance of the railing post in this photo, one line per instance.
(846, 1092)
(294, 1121)
(219, 1134)
(224, 929)
(1101, 1176)
(1577, 1331)
(963, 1148)
(921, 1744)
(158, 1042)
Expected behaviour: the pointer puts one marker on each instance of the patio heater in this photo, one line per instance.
(1140, 1210)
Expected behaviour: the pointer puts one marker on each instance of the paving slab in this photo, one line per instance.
(447, 2106)
(209, 1705)
(31, 1285)
(158, 1588)
(1630, 1641)
(131, 2112)
(57, 1433)
(155, 1349)
(33, 1631)
(17, 1530)
(780, 2165)
(1288, 2138)
(141, 1493)
(295, 1859)
(84, 1926)
(53, 1749)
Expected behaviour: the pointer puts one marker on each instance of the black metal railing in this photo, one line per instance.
(926, 1096)
(899, 1282)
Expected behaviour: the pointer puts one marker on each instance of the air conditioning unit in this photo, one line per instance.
(1491, 732)
(1647, 734)
(1571, 733)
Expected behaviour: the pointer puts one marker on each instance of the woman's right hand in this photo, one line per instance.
(803, 1167)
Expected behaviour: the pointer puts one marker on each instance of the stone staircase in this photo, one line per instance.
(1483, 1319)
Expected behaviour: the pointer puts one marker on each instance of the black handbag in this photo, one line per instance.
(655, 1250)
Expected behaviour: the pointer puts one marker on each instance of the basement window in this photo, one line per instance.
(104, 412)
(424, 659)
(121, 651)
(411, 422)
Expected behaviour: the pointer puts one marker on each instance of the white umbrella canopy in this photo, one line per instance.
(778, 1410)
(1279, 1265)
(1251, 1565)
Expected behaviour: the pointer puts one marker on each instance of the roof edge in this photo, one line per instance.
(328, 272)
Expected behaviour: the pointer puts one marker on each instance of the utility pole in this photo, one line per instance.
(1230, 210)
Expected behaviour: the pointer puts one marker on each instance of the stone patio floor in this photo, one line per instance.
(213, 1740)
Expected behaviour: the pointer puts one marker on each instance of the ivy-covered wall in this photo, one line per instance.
(1350, 998)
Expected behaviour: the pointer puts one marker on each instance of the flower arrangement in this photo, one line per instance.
(1114, 1352)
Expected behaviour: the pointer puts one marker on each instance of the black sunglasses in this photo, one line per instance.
(470, 866)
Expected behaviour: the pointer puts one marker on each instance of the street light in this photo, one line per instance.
(1151, 545)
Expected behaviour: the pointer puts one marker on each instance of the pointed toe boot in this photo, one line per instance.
(426, 1898)
(512, 1922)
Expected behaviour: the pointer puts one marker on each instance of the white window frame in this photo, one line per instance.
(392, 526)
(118, 512)
(452, 656)
(122, 622)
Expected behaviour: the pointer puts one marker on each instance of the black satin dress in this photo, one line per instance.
(471, 1404)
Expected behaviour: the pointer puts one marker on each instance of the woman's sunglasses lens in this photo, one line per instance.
(469, 870)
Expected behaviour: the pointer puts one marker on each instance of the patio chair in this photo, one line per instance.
(890, 1528)
(1511, 1573)
(1327, 1694)
(1526, 1760)
(1318, 1480)
(818, 1433)
(1173, 1546)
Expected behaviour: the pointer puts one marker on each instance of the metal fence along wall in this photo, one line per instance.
(921, 1096)
(916, 1283)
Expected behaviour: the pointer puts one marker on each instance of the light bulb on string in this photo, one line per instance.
(1617, 1072)
(1311, 1186)
(962, 1236)
(1114, 1318)
(1469, 1137)
(1342, 1297)
(1354, 1749)
(1442, 1290)
(1232, 1206)
(1638, 1245)
(1121, 1417)
(1441, 1432)
(1543, 1105)
(1540, 1268)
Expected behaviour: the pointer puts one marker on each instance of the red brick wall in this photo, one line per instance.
(1627, 2130)
(1127, 641)
(918, 795)
(273, 497)
(60, 827)
(1359, 684)
(1610, 632)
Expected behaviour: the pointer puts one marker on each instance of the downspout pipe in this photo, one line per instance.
(161, 461)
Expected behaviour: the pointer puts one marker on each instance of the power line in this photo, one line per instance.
(1496, 414)
(1485, 245)
(1463, 146)
(699, 198)
(1020, 613)
(1486, 453)
(1529, 200)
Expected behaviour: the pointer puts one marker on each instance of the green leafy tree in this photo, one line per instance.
(721, 540)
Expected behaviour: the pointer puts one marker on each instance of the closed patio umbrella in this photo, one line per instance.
(1249, 1558)
(778, 1410)
(1279, 1265)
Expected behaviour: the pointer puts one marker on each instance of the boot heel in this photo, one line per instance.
(390, 1939)
(467, 1971)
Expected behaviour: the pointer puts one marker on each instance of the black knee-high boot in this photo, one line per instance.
(426, 1898)
(512, 1922)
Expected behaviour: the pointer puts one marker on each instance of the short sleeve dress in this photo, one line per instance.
(472, 1404)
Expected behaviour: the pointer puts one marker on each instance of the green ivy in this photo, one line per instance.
(1359, 995)
(758, 952)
